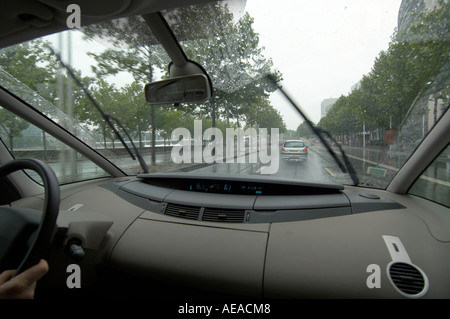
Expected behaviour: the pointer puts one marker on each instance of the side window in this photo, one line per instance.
(23, 139)
(434, 183)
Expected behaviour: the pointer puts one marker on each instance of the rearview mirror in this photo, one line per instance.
(184, 89)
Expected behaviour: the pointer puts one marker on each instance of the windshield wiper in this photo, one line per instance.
(345, 167)
(105, 116)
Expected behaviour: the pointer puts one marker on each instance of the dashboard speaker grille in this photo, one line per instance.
(182, 211)
(407, 278)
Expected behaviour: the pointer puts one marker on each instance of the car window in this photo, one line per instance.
(294, 144)
(24, 140)
(434, 182)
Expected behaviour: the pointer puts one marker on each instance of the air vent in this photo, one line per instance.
(223, 215)
(189, 212)
(408, 279)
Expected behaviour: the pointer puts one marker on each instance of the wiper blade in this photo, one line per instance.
(105, 116)
(345, 167)
(138, 154)
(347, 163)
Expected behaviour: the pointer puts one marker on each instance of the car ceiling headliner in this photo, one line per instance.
(23, 20)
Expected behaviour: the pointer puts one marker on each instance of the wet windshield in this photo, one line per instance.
(372, 87)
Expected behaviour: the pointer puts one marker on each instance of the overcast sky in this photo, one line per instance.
(326, 48)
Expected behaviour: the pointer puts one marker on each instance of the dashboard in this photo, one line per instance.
(315, 241)
(243, 200)
(310, 244)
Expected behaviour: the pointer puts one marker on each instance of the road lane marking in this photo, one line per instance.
(329, 172)
(434, 180)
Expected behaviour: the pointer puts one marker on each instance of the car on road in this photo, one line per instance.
(140, 150)
(294, 150)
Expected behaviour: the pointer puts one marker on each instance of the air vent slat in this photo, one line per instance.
(223, 215)
(407, 278)
(182, 211)
(209, 214)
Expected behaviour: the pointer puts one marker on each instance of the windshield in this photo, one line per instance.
(371, 77)
(294, 144)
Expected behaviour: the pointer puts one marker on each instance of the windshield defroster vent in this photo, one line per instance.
(408, 279)
(182, 211)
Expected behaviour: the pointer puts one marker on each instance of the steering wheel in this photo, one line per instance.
(26, 234)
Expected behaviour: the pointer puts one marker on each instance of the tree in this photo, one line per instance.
(304, 130)
(228, 50)
(12, 125)
(134, 110)
(107, 96)
(235, 62)
(137, 54)
(32, 64)
(415, 67)
(34, 67)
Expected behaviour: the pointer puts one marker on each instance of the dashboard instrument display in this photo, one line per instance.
(248, 185)
(225, 187)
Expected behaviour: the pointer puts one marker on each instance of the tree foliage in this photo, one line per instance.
(227, 47)
(34, 66)
(415, 66)
(229, 50)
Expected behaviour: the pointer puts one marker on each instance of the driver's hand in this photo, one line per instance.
(23, 285)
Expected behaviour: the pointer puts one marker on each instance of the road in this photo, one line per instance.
(375, 170)
(318, 168)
